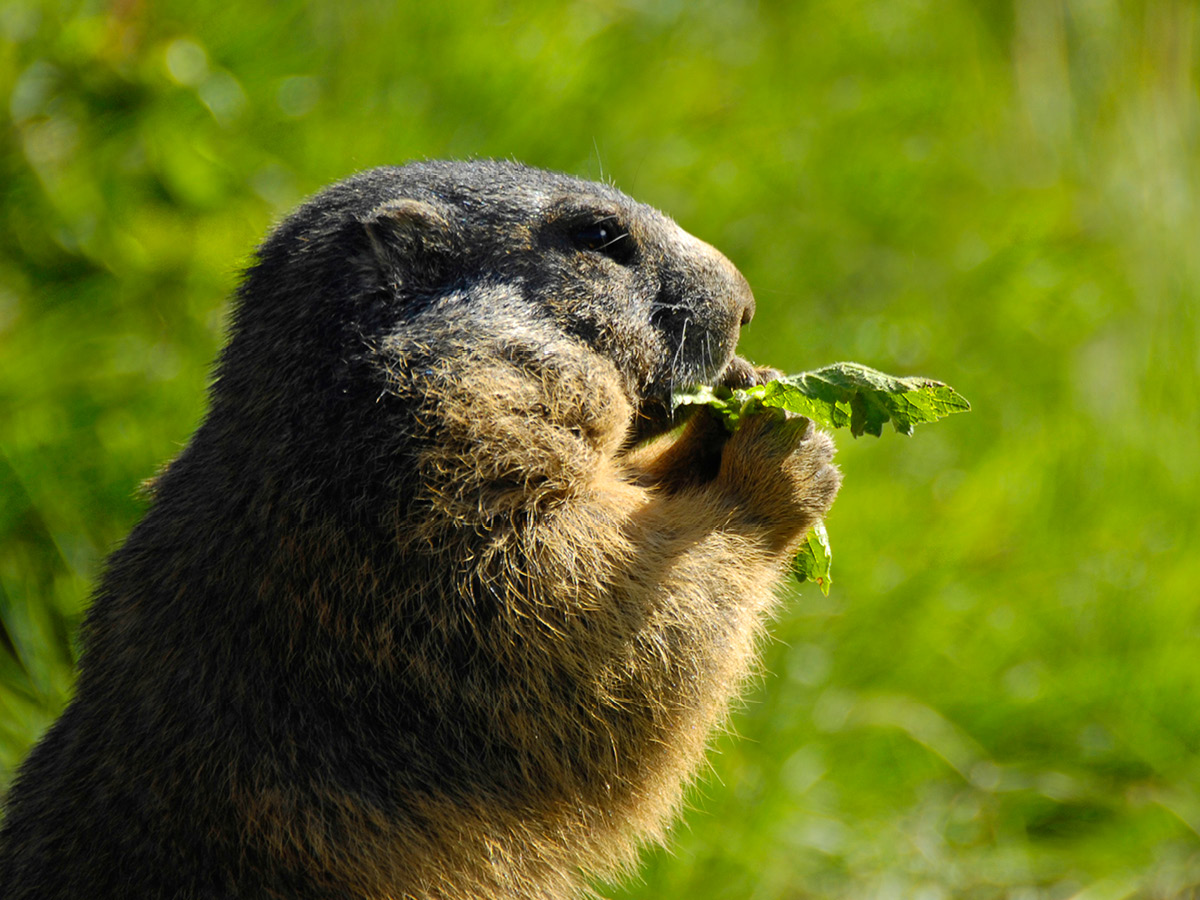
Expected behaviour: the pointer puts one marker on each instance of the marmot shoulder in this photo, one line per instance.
(434, 604)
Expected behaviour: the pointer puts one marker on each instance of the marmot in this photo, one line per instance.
(422, 611)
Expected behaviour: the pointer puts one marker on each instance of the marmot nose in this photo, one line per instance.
(729, 286)
(743, 296)
(748, 310)
(739, 290)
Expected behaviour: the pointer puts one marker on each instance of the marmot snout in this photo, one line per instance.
(417, 612)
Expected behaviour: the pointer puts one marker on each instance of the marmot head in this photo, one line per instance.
(480, 241)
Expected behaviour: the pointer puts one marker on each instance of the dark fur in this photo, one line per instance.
(411, 616)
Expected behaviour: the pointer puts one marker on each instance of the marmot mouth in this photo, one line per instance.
(654, 416)
(657, 415)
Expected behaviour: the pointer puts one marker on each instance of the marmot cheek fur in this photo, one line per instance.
(420, 612)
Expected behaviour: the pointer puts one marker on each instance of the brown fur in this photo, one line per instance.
(417, 614)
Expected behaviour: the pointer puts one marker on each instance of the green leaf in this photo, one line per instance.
(843, 394)
(814, 559)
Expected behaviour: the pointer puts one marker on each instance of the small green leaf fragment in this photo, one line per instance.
(813, 561)
(731, 406)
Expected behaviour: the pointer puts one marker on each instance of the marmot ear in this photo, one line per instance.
(410, 238)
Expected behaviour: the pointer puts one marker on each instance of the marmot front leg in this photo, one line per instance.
(689, 460)
(769, 482)
(693, 458)
(777, 472)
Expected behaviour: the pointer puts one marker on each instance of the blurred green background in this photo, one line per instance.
(1001, 697)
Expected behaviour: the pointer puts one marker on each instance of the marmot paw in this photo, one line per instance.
(778, 468)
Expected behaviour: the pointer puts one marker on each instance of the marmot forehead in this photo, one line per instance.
(492, 190)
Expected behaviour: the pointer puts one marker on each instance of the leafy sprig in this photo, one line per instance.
(838, 396)
(842, 395)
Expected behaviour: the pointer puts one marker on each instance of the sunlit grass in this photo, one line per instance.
(1001, 697)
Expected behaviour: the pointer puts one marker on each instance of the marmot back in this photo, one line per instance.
(425, 609)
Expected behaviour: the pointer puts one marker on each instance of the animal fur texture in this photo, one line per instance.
(425, 609)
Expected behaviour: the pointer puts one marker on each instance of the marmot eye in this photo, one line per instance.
(605, 236)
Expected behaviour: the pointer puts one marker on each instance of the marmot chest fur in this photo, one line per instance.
(425, 609)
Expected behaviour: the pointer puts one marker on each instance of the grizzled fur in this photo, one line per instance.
(418, 613)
